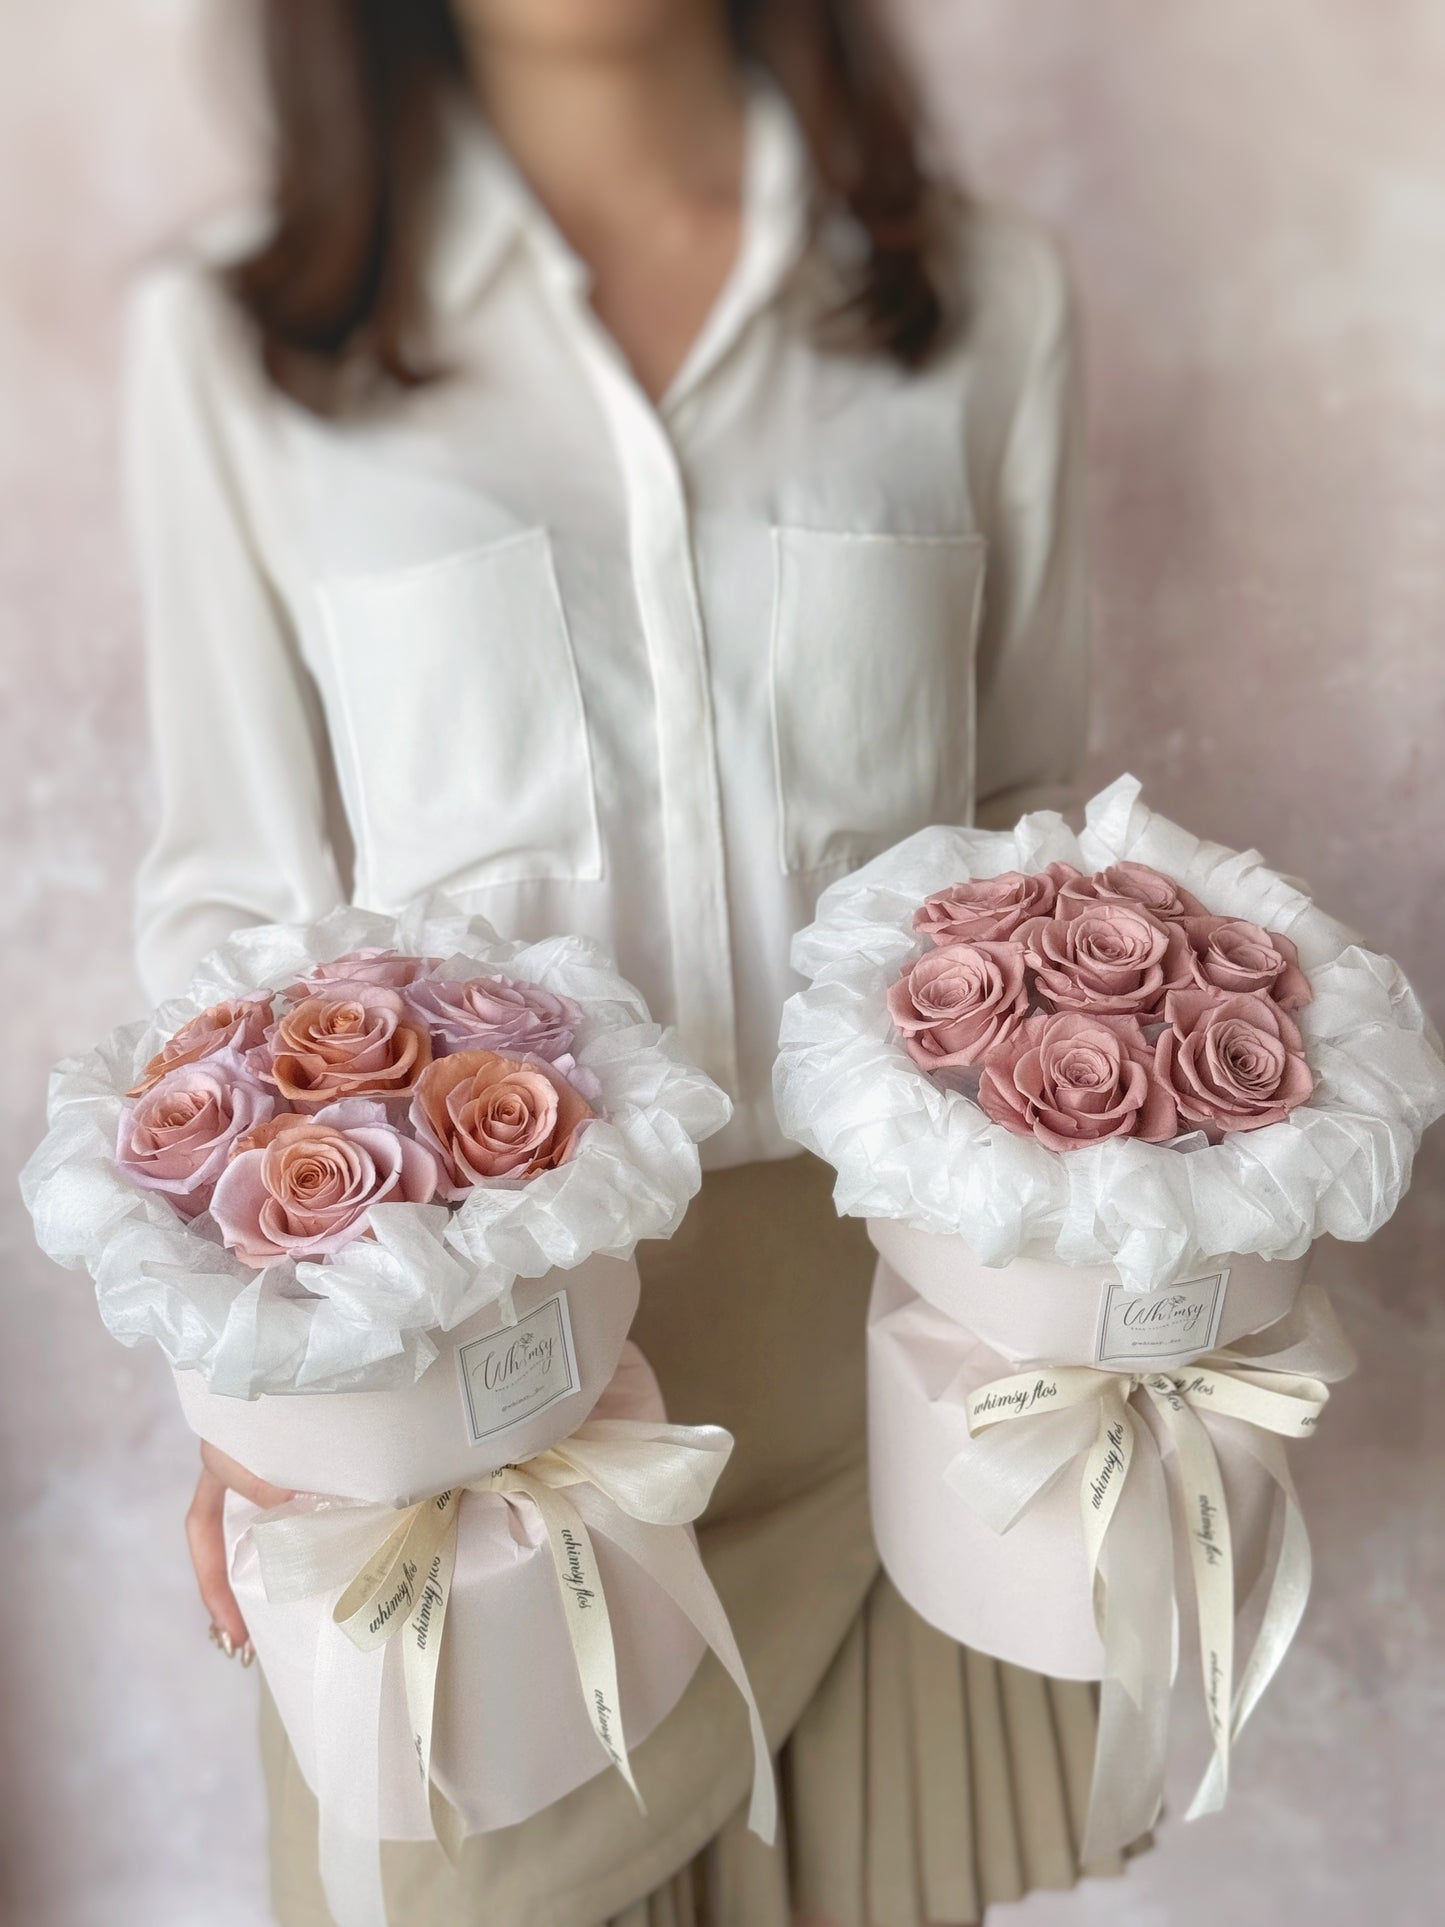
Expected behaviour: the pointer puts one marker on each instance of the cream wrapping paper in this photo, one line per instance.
(365, 1320)
(1066, 1517)
(572, 1604)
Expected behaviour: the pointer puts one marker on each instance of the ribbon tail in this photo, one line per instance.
(1283, 1611)
(589, 1625)
(1136, 1599)
(669, 1555)
(301, 1549)
(421, 1648)
(349, 1675)
(1211, 1553)
(348, 1780)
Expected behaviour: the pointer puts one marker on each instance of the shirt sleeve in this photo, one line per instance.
(1033, 656)
(238, 745)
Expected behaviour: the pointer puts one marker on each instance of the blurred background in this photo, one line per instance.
(1253, 201)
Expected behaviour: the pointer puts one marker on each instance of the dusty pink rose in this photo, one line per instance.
(495, 1013)
(487, 1116)
(178, 1134)
(991, 909)
(1071, 1080)
(1236, 956)
(1132, 883)
(958, 1000)
(1234, 1063)
(349, 1040)
(305, 1187)
(368, 966)
(1107, 957)
(238, 1024)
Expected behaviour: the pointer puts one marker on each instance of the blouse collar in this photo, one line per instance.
(485, 207)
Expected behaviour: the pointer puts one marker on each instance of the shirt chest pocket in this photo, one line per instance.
(871, 672)
(460, 734)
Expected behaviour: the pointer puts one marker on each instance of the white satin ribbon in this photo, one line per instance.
(638, 1483)
(1124, 1500)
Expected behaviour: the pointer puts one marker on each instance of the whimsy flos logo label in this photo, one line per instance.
(1151, 1326)
(513, 1374)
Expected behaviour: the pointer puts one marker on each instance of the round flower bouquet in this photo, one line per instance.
(1096, 1097)
(374, 1186)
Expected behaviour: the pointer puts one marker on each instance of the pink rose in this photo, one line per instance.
(368, 966)
(1071, 1080)
(959, 999)
(1236, 956)
(349, 1040)
(495, 1013)
(1108, 957)
(487, 1116)
(238, 1024)
(1131, 883)
(1234, 1063)
(991, 909)
(177, 1136)
(306, 1185)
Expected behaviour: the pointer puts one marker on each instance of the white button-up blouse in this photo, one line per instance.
(652, 672)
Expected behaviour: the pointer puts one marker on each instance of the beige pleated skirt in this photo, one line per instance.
(921, 1783)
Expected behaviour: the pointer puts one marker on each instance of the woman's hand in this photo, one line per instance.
(207, 1542)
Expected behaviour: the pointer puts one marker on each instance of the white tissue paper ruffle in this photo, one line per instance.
(360, 1321)
(905, 1147)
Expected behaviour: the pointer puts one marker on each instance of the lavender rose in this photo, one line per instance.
(991, 909)
(1132, 883)
(485, 1116)
(238, 1024)
(958, 1000)
(349, 1040)
(370, 965)
(495, 1013)
(1234, 1063)
(304, 1187)
(1072, 1080)
(1107, 957)
(177, 1136)
(1235, 956)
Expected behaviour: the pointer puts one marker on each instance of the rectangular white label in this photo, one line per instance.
(514, 1373)
(1150, 1327)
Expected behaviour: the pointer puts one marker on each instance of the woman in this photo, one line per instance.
(613, 487)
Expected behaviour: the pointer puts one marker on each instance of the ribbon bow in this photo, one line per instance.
(641, 1484)
(1016, 1450)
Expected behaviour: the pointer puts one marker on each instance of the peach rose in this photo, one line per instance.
(304, 1187)
(485, 1116)
(1234, 1063)
(349, 1040)
(1107, 957)
(991, 909)
(1236, 956)
(177, 1136)
(1132, 883)
(1071, 1080)
(368, 966)
(238, 1024)
(495, 1013)
(958, 1000)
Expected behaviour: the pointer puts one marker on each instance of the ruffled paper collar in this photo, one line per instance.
(906, 1148)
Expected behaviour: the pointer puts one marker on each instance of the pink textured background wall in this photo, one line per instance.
(1253, 200)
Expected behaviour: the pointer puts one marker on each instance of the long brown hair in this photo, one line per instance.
(357, 91)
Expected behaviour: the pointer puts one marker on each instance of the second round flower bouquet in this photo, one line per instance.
(1096, 1097)
(374, 1186)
